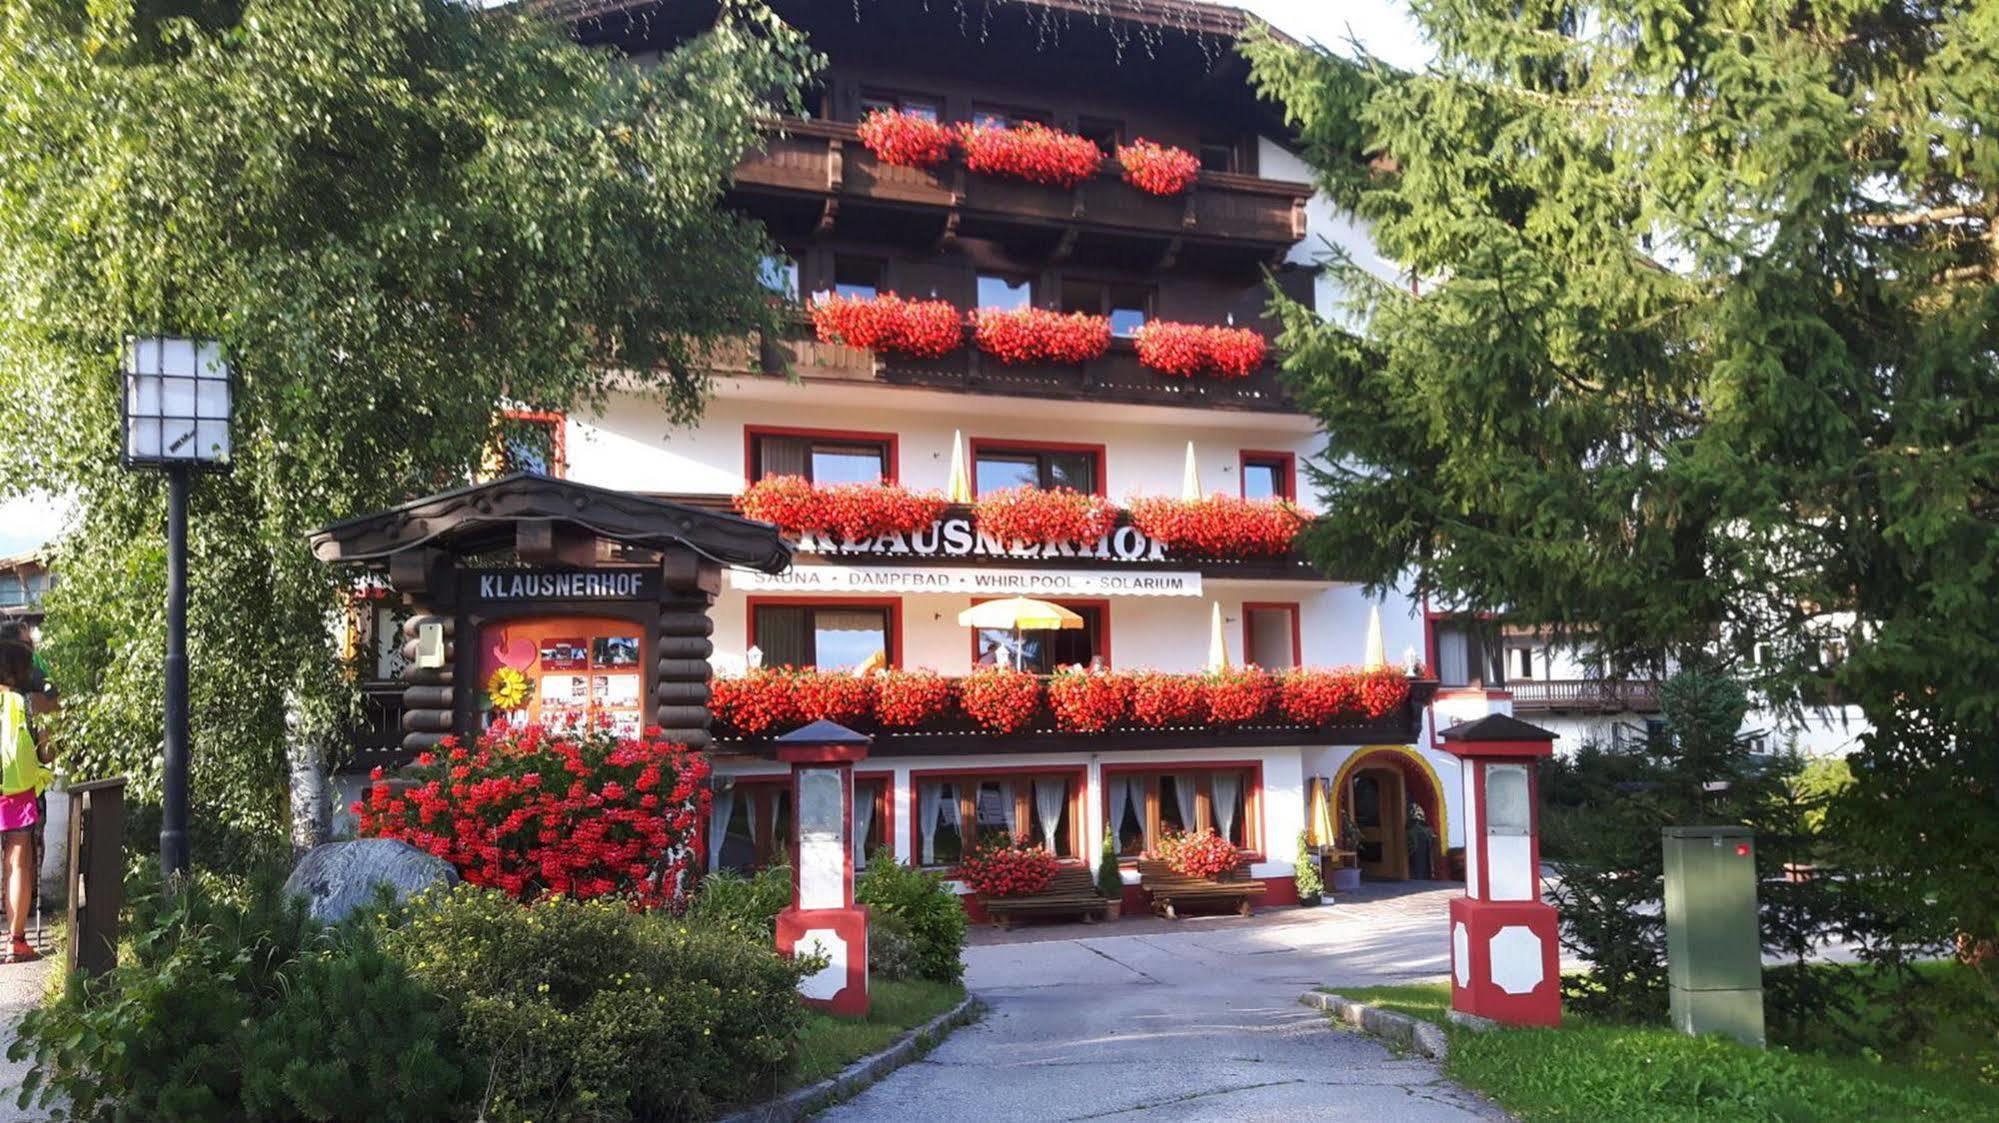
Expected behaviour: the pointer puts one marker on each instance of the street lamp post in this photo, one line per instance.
(176, 409)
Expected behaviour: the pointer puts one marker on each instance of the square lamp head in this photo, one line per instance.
(176, 403)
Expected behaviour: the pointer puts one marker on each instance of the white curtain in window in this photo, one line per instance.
(719, 814)
(1007, 809)
(1453, 657)
(750, 805)
(1049, 796)
(1183, 796)
(864, 817)
(929, 803)
(1228, 788)
(1120, 803)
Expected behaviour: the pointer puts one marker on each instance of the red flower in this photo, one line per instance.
(1240, 695)
(832, 696)
(1316, 697)
(759, 702)
(1035, 516)
(1158, 169)
(1159, 700)
(924, 328)
(853, 512)
(1086, 702)
(1202, 854)
(1031, 151)
(1007, 870)
(1186, 350)
(1031, 335)
(1382, 691)
(908, 699)
(1224, 526)
(904, 139)
(1000, 699)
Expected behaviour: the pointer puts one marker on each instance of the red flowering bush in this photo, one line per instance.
(762, 701)
(1159, 700)
(1381, 691)
(839, 696)
(909, 699)
(1033, 515)
(1198, 854)
(1031, 151)
(1226, 526)
(533, 811)
(1088, 702)
(850, 511)
(1158, 169)
(1240, 695)
(1316, 697)
(1186, 350)
(1000, 699)
(906, 140)
(1013, 869)
(887, 322)
(1031, 335)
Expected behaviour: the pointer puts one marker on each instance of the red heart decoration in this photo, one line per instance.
(516, 653)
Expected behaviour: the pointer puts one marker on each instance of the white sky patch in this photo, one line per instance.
(31, 521)
(1385, 27)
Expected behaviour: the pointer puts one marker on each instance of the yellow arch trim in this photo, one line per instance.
(1423, 762)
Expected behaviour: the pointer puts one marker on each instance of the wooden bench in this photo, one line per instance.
(1170, 891)
(1071, 892)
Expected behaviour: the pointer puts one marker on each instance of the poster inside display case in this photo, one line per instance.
(564, 671)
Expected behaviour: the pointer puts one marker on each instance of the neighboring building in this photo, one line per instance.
(24, 581)
(852, 224)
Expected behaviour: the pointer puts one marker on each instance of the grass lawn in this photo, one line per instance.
(830, 1044)
(1594, 1071)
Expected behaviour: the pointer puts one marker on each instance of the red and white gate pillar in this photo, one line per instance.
(1505, 943)
(823, 918)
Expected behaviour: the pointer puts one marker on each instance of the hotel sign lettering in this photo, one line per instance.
(976, 581)
(585, 584)
(954, 536)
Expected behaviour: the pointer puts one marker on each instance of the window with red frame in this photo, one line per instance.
(751, 826)
(998, 466)
(1046, 652)
(531, 442)
(954, 810)
(1269, 475)
(831, 637)
(830, 458)
(1470, 653)
(1145, 805)
(1270, 635)
(925, 106)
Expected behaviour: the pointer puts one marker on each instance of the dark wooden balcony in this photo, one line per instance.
(1585, 696)
(823, 160)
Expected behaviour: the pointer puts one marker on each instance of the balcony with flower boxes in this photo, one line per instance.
(823, 163)
(921, 713)
(1584, 696)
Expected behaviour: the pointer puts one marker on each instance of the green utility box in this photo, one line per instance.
(1714, 949)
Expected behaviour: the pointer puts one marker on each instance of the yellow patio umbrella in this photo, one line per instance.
(1218, 644)
(1376, 656)
(959, 488)
(1019, 614)
(1319, 816)
(1190, 477)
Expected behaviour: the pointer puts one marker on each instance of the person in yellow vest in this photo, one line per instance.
(24, 775)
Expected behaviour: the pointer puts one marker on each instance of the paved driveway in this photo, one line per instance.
(1194, 1021)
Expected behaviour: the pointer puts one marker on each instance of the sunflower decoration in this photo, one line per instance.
(508, 688)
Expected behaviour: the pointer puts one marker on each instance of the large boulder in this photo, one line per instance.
(339, 877)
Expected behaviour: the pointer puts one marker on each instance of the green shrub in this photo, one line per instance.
(592, 1010)
(1110, 883)
(893, 953)
(922, 901)
(727, 897)
(1309, 883)
(253, 1011)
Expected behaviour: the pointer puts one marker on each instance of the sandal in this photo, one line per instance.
(22, 952)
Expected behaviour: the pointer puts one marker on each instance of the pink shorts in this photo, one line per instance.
(17, 811)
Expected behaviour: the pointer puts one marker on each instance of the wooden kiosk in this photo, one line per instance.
(575, 601)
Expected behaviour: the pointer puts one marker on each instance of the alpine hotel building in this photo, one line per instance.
(861, 219)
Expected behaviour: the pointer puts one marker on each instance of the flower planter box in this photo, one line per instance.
(1072, 892)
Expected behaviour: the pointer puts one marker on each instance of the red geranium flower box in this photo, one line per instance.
(1000, 699)
(887, 322)
(1160, 700)
(1036, 516)
(839, 696)
(1221, 526)
(761, 701)
(1158, 169)
(1185, 350)
(906, 140)
(1036, 335)
(1087, 701)
(1202, 854)
(1012, 869)
(1240, 695)
(850, 511)
(1382, 691)
(911, 699)
(1032, 152)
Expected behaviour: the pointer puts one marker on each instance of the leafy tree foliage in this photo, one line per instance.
(395, 215)
(1706, 343)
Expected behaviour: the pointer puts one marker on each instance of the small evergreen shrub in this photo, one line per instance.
(1310, 885)
(922, 901)
(592, 1010)
(752, 903)
(1110, 883)
(893, 953)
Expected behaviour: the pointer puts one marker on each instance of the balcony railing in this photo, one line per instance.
(826, 158)
(1588, 696)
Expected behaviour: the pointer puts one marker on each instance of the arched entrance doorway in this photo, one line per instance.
(1393, 797)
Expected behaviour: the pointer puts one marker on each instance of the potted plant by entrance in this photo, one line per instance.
(1346, 875)
(1310, 887)
(1422, 845)
(1110, 882)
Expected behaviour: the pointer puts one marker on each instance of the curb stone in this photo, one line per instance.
(850, 1081)
(1426, 1038)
